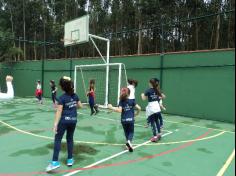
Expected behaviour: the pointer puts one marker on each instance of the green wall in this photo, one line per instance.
(199, 84)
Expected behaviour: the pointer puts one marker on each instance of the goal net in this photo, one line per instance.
(107, 90)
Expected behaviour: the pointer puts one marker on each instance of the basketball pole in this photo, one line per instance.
(107, 61)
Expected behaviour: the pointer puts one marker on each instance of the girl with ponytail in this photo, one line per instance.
(127, 109)
(153, 110)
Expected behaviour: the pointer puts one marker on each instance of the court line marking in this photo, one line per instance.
(116, 164)
(197, 126)
(104, 118)
(232, 132)
(110, 144)
(113, 156)
(227, 164)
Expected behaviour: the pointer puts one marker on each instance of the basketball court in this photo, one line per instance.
(201, 147)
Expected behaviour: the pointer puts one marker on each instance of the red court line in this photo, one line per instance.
(119, 163)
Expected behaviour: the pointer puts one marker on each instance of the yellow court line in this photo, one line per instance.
(227, 164)
(110, 144)
(197, 126)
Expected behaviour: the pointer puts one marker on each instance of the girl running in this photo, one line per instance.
(39, 92)
(91, 97)
(153, 109)
(132, 85)
(126, 108)
(54, 92)
(10, 91)
(65, 121)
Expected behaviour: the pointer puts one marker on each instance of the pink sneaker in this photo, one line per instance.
(156, 138)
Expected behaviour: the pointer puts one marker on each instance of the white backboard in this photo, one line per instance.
(77, 31)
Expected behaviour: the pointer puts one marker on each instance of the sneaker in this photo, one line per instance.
(70, 162)
(97, 111)
(130, 147)
(52, 166)
(162, 127)
(156, 138)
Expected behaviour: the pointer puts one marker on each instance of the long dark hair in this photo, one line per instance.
(125, 92)
(53, 83)
(133, 82)
(91, 84)
(155, 84)
(67, 85)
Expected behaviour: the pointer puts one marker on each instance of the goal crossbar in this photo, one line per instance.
(120, 67)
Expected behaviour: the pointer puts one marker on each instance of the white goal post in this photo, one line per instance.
(107, 90)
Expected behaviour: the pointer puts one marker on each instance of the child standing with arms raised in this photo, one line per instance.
(39, 92)
(126, 108)
(91, 98)
(65, 121)
(132, 84)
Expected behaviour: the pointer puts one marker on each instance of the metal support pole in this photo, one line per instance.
(162, 55)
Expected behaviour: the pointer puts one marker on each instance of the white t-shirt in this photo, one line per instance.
(39, 86)
(10, 92)
(132, 92)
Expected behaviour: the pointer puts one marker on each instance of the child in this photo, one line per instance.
(54, 92)
(91, 97)
(153, 109)
(65, 121)
(132, 85)
(126, 108)
(10, 91)
(39, 92)
(161, 104)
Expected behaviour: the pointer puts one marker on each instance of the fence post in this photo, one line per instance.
(162, 53)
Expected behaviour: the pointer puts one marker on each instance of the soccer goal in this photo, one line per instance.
(106, 91)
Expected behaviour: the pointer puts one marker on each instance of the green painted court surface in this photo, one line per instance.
(190, 147)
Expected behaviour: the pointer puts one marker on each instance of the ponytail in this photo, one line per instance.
(155, 85)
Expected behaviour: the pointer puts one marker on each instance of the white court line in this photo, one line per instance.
(227, 164)
(112, 157)
(99, 117)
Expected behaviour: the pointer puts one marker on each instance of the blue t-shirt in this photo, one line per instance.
(152, 95)
(69, 103)
(127, 115)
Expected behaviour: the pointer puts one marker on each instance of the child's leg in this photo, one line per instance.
(57, 142)
(131, 132)
(148, 122)
(70, 139)
(92, 108)
(96, 108)
(125, 127)
(156, 119)
(53, 98)
(153, 124)
(160, 119)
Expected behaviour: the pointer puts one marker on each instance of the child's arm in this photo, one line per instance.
(143, 97)
(138, 110)
(79, 105)
(116, 109)
(163, 96)
(163, 107)
(57, 117)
